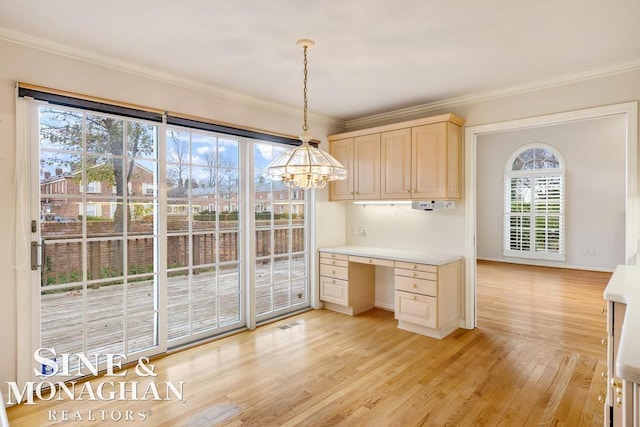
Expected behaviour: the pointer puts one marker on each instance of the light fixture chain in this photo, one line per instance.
(305, 127)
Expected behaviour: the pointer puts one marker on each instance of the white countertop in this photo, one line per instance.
(624, 287)
(432, 258)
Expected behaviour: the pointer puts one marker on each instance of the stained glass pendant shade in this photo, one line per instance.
(306, 166)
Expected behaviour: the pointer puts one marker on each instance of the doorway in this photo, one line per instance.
(474, 136)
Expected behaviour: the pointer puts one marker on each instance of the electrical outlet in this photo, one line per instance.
(363, 231)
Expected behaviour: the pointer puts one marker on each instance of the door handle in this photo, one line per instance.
(36, 255)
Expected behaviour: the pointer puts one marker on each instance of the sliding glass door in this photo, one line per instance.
(281, 254)
(205, 295)
(140, 231)
(99, 240)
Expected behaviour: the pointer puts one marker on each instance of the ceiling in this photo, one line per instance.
(371, 56)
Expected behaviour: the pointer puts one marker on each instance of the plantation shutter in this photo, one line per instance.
(548, 214)
(518, 214)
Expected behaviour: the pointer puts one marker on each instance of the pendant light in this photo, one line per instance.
(305, 166)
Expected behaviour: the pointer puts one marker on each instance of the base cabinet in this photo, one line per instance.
(344, 286)
(427, 297)
(623, 397)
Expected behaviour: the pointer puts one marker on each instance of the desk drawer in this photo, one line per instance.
(337, 262)
(418, 309)
(372, 261)
(417, 267)
(418, 286)
(334, 271)
(416, 274)
(334, 290)
(330, 255)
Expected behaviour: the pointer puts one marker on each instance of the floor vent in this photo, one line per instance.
(289, 325)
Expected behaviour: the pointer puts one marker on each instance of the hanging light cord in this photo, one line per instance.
(305, 127)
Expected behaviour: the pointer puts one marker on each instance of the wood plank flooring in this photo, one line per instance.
(535, 359)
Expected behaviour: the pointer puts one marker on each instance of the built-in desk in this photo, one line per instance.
(426, 285)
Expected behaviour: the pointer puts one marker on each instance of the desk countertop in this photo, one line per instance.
(432, 258)
(624, 287)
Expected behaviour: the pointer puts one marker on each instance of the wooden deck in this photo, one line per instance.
(200, 303)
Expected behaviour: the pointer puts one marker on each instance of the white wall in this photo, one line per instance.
(594, 152)
(20, 63)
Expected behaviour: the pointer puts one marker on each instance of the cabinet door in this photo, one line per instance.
(455, 164)
(429, 161)
(342, 150)
(334, 290)
(418, 309)
(367, 167)
(396, 164)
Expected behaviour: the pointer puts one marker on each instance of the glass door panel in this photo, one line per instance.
(281, 280)
(98, 290)
(203, 236)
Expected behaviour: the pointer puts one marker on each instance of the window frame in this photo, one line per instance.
(533, 215)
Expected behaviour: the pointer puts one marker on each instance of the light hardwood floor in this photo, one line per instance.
(535, 359)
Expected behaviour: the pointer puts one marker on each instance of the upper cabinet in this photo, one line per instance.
(418, 159)
(361, 156)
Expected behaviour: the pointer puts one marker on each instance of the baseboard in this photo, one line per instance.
(541, 263)
(385, 306)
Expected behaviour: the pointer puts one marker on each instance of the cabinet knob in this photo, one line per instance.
(413, 274)
(619, 401)
(333, 281)
(413, 266)
(413, 191)
(616, 383)
(370, 261)
(407, 191)
(414, 286)
(603, 310)
(413, 297)
(601, 398)
(603, 342)
(603, 375)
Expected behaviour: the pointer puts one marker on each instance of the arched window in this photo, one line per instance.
(534, 203)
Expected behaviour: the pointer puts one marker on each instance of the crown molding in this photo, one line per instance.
(34, 42)
(426, 109)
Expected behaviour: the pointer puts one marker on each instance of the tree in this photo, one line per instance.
(177, 167)
(105, 141)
